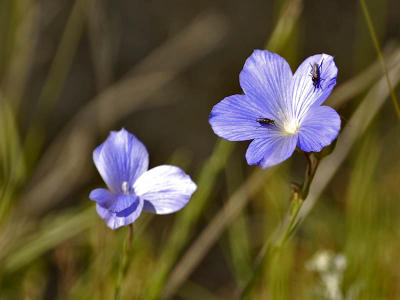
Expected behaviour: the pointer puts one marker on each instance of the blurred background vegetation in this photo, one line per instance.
(71, 71)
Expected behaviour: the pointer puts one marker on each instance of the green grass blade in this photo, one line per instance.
(183, 227)
(378, 50)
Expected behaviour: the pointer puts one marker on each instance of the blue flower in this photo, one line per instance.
(279, 110)
(122, 161)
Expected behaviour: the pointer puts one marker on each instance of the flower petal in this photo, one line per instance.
(101, 196)
(319, 128)
(111, 201)
(234, 119)
(271, 151)
(121, 158)
(265, 79)
(125, 217)
(304, 93)
(165, 189)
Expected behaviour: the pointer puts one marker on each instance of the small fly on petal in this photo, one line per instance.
(316, 75)
(265, 121)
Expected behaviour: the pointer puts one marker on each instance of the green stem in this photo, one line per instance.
(296, 205)
(378, 50)
(274, 246)
(123, 266)
(311, 169)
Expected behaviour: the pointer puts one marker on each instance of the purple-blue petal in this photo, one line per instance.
(318, 129)
(272, 150)
(304, 93)
(164, 189)
(121, 158)
(128, 210)
(125, 217)
(111, 201)
(101, 196)
(234, 119)
(266, 79)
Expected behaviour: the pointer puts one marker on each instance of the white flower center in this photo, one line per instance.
(291, 126)
(125, 187)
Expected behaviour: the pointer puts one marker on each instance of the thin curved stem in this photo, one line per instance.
(311, 169)
(274, 245)
(123, 266)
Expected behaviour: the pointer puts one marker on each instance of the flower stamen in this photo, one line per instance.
(125, 187)
(291, 127)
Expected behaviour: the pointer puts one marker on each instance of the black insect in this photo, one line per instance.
(316, 75)
(265, 121)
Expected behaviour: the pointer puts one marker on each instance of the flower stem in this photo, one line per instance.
(124, 262)
(311, 169)
(274, 245)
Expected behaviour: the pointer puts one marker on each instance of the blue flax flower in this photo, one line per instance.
(122, 161)
(279, 110)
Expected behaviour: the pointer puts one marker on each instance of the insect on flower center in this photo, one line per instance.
(291, 127)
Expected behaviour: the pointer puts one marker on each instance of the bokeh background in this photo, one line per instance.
(71, 71)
